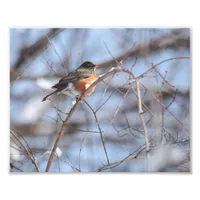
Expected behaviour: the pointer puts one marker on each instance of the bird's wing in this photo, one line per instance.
(70, 78)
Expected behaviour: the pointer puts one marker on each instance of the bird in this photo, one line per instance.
(77, 81)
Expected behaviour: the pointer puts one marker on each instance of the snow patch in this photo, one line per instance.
(44, 84)
(73, 102)
(58, 152)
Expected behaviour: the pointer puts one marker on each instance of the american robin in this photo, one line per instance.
(76, 82)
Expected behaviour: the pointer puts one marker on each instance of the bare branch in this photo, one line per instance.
(28, 151)
(152, 68)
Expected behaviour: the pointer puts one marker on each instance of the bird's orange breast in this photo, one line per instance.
(83, 84)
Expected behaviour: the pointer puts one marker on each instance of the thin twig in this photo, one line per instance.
(79, 157)
(101, 134)
(56, 52)
(106, 87)
(172, 99)
(28, 152)
(127, 158)
(166, 109)
(13, 166)
(134, 63)
(50, 65)
(72, 166)
(151, 69)
(120, 104)
(104, 102)
(164, 78)
(142, 119)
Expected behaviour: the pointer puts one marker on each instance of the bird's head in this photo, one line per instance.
(88, 65)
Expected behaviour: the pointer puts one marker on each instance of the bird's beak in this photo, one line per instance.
(97, 66)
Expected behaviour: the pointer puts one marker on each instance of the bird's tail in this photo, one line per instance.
(44, 99)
